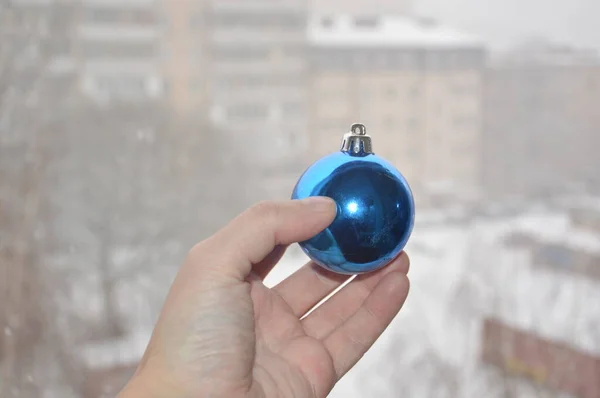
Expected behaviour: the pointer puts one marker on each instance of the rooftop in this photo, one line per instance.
(540, 52)
(386, 31)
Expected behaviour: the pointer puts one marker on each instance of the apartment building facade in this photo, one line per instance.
(541, 120)
(417, 87)
(257, 73)
(118, 49)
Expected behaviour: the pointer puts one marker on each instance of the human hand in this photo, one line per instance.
(223, 333)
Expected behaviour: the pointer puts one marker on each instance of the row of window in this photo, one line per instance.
(264, 20)
(391, 89)
(412, 124)
(257, 81)
(254, 53)
(125, 87)
(396, 59)
(263, 111)
(127, 50)
(230, 18)
(113, 15)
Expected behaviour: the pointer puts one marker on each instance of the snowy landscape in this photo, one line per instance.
(461, 273)
(131, 130)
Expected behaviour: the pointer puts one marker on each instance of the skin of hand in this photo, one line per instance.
(223, 333)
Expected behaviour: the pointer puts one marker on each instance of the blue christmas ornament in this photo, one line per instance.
(375, 207)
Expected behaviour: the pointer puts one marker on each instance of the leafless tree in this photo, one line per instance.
(26, 118)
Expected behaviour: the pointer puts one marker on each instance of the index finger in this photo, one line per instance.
(252, 236)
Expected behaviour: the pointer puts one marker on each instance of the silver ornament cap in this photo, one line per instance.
(357, 142)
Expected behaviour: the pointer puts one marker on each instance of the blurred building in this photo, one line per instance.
(524, 354)
(36, 53)
(585, 213)
(541, 120)
(541, 318)
(416, 85)
(257, 76)
(118, 49)
(35, 79)
(185, 56)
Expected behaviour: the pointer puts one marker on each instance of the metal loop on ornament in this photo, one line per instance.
(358, 129)
(357, 142)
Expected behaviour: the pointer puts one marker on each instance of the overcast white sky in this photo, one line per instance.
(503, 21)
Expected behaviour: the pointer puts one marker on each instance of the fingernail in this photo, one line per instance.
(320, 203)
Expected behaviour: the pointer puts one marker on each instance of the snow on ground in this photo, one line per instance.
(430, 324)
(549, 302)
(460, 272)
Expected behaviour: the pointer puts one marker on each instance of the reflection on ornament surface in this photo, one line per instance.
(375, 211)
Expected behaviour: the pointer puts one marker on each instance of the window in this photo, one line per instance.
(381, 60)
(361, 60)
(121, 86)
(332, 60)
(366, 22)
(414, 91)
(435, 60)
(109, 15)
(293, 109)
(389, 122)
(328, 123)
(242, 53)
(412, 125)
(247, 111)
(555, 256)
(197, 84)
(58, 47)
(465, 87)
(327, 22)
(464, 122)
(262, 20)
(118, 50)
(253, 82)
(406, 60)
(197, 20)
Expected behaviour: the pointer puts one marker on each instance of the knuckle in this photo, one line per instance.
(194, 250)
(197, 250)
(265, 210)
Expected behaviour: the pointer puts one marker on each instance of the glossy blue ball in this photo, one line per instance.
(375, 212)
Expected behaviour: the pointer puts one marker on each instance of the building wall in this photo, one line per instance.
(547, 363)
(424, 116)
(256, 75)
(185, 55)
(541, 273)
(540, 127)
(586, 218)
(118, 50)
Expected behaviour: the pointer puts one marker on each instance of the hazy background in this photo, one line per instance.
(130, 130)
(505, 22)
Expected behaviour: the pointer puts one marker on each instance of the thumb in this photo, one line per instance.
(253, 235)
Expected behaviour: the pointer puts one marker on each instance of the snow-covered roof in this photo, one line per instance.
(550, 303)
(557, 229)
(386, 31)
(586, 202)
